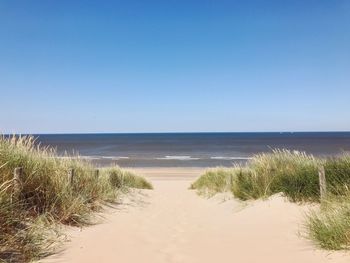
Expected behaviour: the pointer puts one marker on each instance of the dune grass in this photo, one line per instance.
(125, 179)
(46, 198)
(295, 175)
(214, 181)
(329, 227)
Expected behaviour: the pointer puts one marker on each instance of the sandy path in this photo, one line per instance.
(173, 224)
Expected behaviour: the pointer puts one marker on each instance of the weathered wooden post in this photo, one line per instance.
(97, 174)
(322, 180)
(17, 182)
(71, 176)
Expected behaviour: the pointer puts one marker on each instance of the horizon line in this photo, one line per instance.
(182, 132)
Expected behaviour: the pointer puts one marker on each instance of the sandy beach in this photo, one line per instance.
(173, 224)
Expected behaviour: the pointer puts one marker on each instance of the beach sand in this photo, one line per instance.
(173, 224)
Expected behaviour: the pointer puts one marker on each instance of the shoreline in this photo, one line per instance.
(168, 173)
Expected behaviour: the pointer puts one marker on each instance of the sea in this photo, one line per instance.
(190, 149)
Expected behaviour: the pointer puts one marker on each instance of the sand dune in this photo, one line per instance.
(173, 224)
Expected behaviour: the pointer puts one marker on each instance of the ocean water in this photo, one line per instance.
(190, 149)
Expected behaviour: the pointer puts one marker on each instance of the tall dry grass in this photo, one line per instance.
(214, 181)
(329, 227)
(46, 196)
(295, 175)
(120, 178)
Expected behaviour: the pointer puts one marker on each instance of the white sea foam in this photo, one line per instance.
(115, 157)
(78, 157)
(178, 157)
(94, 157)
(90, 157)
(229, 158)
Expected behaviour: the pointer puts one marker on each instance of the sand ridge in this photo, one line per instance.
(173, 224)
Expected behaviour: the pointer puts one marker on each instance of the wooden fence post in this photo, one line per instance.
(71, 176)
(322, 179)
(17, 182)
(97, 173)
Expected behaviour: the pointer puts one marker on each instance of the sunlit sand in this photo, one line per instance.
(173, 224)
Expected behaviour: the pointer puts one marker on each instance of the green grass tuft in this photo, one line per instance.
(329, 228)
(295, 175)
(125, 179)
(214, 181)
(27, 219)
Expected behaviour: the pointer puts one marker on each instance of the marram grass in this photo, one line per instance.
(295, 175)
(124, 179)
(329, 227)
(47, 198)
(214, 181)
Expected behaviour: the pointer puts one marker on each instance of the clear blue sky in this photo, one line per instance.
(161, 66)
